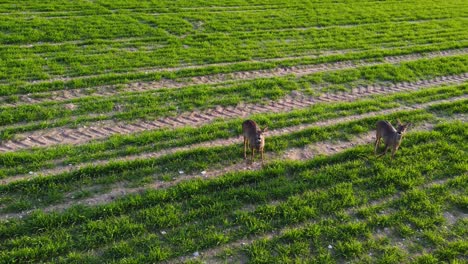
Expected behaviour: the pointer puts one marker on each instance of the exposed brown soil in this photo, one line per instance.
(100, 130)
(324, 147)
(305, 153)
(300, 70)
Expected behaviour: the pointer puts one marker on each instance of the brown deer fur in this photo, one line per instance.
(392, 137)
(253, 138)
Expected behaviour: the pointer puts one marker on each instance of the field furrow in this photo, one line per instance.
(300, 70)
(307, 152)
(323, 146)
(121, 136)
(250, 216)
(85, 134)
(297, 154)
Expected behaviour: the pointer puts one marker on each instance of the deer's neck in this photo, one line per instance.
(398, 137)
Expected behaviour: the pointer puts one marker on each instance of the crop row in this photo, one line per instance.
(168, 102)
(348, 207)
(20, 87)
(122, 145)
(161, 6)
(244, 19)
(21, 64)
(258, 17)
(197, 46)
(143, 47)
(362, 10)
(196, 215)
(176, 81)
(43, 191)
(416, 220)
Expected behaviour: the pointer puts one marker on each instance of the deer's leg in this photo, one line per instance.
(261, 153)
(394, 149)
(385, 151)
(245, 147)
(377, 142)
(253, 154)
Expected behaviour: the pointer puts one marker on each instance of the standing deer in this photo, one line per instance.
(253, 138)
(391, 136)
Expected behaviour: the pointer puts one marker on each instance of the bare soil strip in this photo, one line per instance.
(54, 137)
(100, 130)
(224, 142)
(209, 255)
(64, 95)
(118, 190)
(304, 153)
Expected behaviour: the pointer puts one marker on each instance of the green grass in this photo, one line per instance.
(200, 214)
(47, 190)
(169, 102)
(110, 40)
(349, 207)
(121, 145)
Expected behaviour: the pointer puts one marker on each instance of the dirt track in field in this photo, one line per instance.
(303, 153)
(325, 147)
(44, 138)
(64, 95)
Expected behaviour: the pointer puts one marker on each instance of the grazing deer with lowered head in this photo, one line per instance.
(253, 138)
(392, 137)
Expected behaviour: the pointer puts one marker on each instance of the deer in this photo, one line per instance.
(253, 138)
(392, 137)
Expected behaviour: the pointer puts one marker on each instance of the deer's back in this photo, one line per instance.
(388, 133)
(384, 128)
(249, 128)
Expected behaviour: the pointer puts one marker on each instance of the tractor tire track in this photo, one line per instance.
(318, 147)
(106, 91)
(301, 153)
(220, 64)
(100, 130)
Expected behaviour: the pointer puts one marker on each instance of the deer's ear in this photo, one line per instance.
(265, 129)
(399, 122)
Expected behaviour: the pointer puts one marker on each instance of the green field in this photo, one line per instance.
(120, 131)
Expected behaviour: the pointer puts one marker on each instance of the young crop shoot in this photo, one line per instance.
(120, 127)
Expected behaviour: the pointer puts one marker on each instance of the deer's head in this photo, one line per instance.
(401, 128)
(260, 136)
